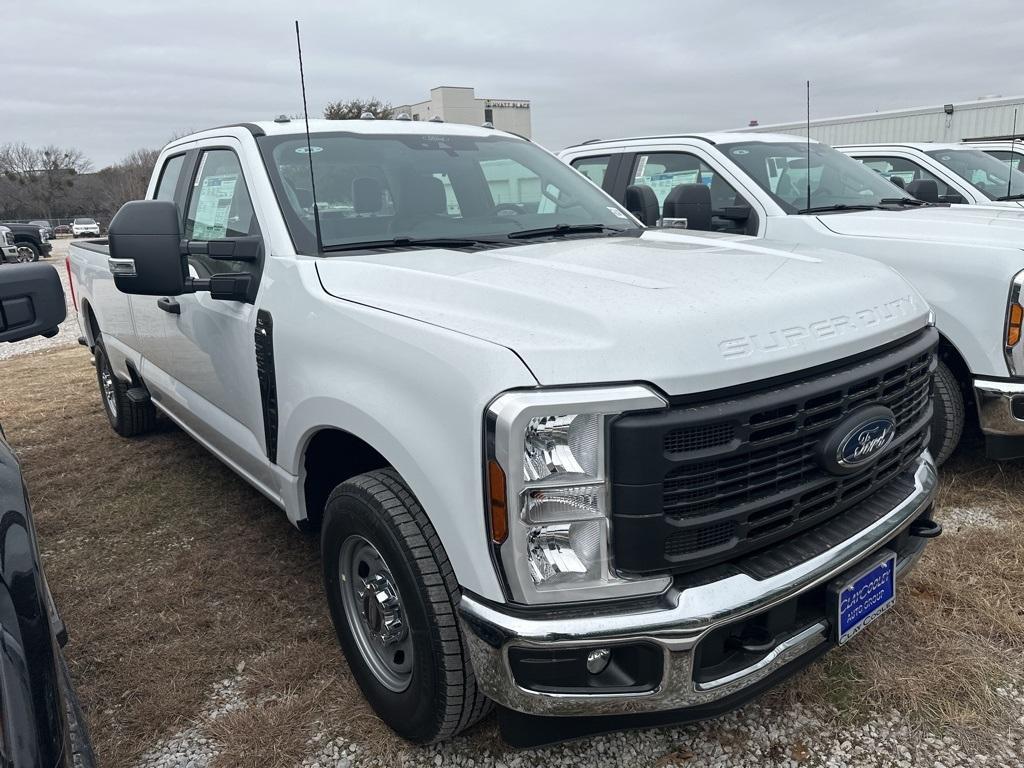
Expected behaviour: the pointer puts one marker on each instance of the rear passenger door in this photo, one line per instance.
(151, 324)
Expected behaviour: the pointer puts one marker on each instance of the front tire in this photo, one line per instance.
(391, 592)
(948, 419)
(27, 252)
(127, 417)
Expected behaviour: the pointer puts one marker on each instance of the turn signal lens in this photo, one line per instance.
(1013, 326)
(497, 504)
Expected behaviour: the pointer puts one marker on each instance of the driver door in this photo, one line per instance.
(211, 342)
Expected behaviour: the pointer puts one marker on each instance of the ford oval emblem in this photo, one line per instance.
(858, 440)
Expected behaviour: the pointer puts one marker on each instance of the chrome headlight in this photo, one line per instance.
(549, 492)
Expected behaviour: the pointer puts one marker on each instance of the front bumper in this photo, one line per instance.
(1001, 416)
(8, 253)
(677, 626)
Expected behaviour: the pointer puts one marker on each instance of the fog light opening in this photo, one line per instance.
(597, 660)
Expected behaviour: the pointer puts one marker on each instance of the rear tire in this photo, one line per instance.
(127, 417)
(377, 541)
(948, 419)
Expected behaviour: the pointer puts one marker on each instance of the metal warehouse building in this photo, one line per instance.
(990, 118)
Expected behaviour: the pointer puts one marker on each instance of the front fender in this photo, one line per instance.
(416, 393)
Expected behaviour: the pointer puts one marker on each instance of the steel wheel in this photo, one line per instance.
(373, 610)
(109, 393)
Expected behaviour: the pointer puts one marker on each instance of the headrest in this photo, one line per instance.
(642, 203)
(924, 189)
(367, 195)
(424, 195)
(691, 202)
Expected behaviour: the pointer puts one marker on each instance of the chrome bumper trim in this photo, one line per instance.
(994, 412)
(677, 629)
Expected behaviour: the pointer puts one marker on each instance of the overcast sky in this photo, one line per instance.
(112, 76)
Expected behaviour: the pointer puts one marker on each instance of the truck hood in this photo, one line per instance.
(973, 224)
(687, 313)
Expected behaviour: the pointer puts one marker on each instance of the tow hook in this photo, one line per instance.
(925, 529)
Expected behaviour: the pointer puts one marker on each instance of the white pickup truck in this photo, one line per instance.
(944, 173)
(965, 260)
(556, 461)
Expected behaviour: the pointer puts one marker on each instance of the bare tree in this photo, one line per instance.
(354, 108)
(117, 184)
(41, 178)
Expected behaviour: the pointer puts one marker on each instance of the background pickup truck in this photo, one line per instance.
(944, 173)
(556, 461)
(31, 240)
(965, 260)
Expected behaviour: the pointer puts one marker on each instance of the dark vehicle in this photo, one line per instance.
(62, 229)
(31, 240)
(41, 722)
(44, 225)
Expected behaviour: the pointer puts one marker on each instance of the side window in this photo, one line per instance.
(662, 172)
(594, 168)
(169, 176)
(1013, 158)
(512, 184)
(907, 171)
(219, 207)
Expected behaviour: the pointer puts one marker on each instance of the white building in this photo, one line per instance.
(460, 105)
(987, 118)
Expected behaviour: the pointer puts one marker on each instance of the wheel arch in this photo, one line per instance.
(957, 363)
(331, 456)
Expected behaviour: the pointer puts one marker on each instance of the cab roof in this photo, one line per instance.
(297, 126)
(711, 137)
(923, 146)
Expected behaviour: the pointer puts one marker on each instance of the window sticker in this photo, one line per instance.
(616, 212)
(641, 167)
(214, 207)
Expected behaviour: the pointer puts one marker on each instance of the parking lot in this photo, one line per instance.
(199, 633)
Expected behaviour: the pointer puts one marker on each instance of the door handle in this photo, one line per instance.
(169, 305)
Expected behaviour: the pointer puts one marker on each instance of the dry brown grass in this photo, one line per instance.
(170, 571)
(957, 632)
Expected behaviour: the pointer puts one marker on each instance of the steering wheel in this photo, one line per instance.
(508, 209)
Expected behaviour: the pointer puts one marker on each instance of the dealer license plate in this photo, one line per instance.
(866, 597)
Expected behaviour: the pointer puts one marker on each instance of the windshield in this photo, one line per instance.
(836, 181)
(988, 175)
(376, 188)
(84, 221)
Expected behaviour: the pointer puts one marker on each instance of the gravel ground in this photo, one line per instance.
(69, 332)
(754, 737)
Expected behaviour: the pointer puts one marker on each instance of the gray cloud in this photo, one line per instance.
(114, 76)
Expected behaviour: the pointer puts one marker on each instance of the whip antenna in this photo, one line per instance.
(309, 145)
(1013, 140)
(808, 144)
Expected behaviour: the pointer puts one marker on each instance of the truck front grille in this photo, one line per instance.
(705, 483)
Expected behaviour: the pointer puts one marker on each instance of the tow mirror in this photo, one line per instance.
(31, 301)
(149, 258)
(145, 249)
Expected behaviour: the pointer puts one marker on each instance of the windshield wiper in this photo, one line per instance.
(838, 207)
(903, 201)
(1015, 196)
(564, 229)
(411, 242)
